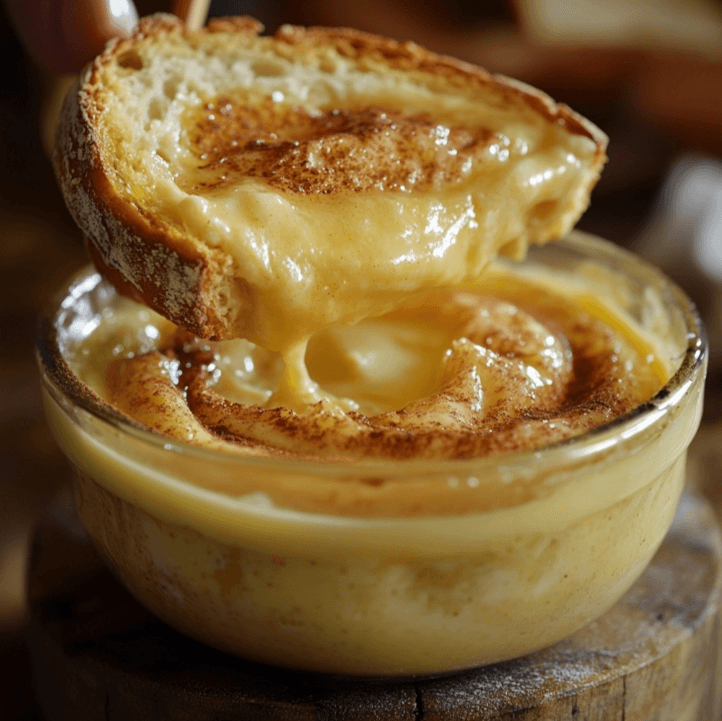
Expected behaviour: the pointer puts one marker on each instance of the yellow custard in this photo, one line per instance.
(523, 360)
(512, 364)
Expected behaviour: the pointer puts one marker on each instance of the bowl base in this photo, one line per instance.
(98, 654)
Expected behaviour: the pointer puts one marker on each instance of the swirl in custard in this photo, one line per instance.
(453, 374)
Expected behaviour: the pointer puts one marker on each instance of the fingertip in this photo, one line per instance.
(122, 16)
(98, 21)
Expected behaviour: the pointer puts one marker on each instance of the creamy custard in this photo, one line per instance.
(455, 374)
(516, 363)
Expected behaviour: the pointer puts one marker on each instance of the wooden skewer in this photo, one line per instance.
(192, 12)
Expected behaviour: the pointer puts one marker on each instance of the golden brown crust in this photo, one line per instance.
(194, 284)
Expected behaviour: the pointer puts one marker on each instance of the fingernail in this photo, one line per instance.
(123, 15)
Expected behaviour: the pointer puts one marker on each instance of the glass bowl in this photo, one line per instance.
(481, 560)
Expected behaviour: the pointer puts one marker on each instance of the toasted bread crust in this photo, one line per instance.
(139, 254)
(196, 285)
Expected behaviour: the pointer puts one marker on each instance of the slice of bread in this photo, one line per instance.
(265, 187)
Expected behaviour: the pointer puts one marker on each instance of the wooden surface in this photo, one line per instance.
(99, 655)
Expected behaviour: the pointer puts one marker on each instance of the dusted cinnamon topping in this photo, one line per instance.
(456, 374)
(328, 151)
(335, 211)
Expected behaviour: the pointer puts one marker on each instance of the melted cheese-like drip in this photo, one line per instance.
(335, 215)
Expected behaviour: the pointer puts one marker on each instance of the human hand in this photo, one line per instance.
(63, 35)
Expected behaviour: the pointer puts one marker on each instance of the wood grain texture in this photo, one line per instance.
(655, 656)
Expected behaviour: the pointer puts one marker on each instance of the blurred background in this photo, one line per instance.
(649, 74)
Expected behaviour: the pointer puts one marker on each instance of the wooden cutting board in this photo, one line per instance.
(97, 654)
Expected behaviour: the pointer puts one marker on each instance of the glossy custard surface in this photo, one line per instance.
(508, 365)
